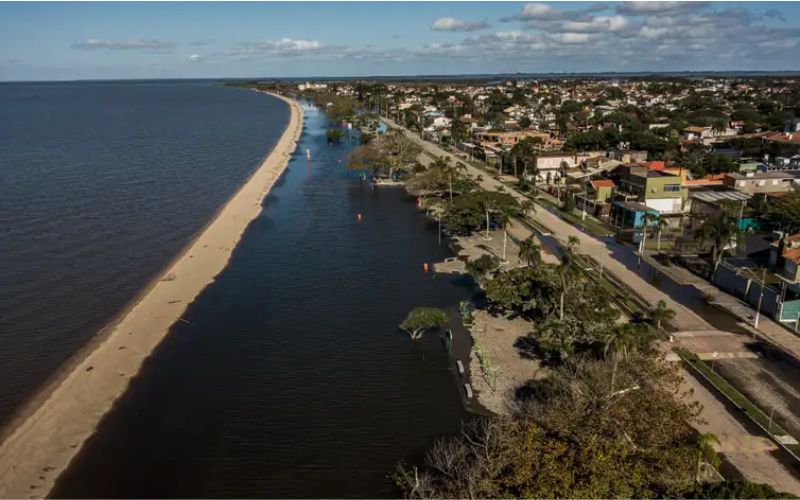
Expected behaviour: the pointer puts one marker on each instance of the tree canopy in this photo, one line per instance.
(422, 319)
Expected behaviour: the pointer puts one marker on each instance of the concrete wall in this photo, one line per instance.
(747, 289)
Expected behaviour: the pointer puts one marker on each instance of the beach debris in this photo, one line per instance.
(186, 321)
(90, 368)
(174, 301)
(121, 348)
(169, 277)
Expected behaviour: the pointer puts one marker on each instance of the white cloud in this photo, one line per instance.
(596, 24)
(645, 8)
(453, 24)
(195, 57)
(571, 37)
(284, 47)
(140, 44)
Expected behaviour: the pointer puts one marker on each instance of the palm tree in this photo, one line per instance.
(706, 453)
(646, 220)
(661, 313)
(449, 170)
(530, 252)
(573, 243)
(662, 223)
(565, 270)
(722, 230)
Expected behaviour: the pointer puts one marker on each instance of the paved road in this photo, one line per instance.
(755, 463)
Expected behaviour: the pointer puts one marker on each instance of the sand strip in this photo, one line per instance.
(49, 436)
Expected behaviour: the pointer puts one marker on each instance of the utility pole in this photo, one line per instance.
(602, 258)
(760, 298)
(583, 205)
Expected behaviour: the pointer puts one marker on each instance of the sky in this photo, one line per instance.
(98, 40)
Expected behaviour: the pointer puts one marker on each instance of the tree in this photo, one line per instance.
(661, 313)
(482, 266)
(565, 271)
(478, 210)
(364, 157)
(422, 319)
(449, 170)
(334, 135)
(706, 453)
(576, 435)
(530, 252)
(785, 211)
(736, 489)
(722, 230)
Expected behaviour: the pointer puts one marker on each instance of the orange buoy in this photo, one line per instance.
(359, 217)
(425, 267)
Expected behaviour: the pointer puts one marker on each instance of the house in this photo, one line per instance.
(708, 202)
(761, 182)
(554, 165)
(656, 189)
(630, 214)
(628, 155)
(784, 258)
(600, 190)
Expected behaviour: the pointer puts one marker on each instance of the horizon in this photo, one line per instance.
(155, 41)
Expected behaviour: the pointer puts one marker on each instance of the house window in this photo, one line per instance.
(672, 188)
(740, 183)
(761, 183)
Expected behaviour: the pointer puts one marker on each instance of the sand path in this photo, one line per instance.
(41, 443)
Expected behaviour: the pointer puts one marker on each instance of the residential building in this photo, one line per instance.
(554, 165)
(784, 258)
(656, 189)
(761, 182)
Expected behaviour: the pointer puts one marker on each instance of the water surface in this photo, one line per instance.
(101, 184)
(290, 377)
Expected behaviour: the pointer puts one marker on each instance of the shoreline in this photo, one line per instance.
(42, 438)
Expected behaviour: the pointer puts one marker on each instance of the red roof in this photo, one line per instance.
(655, 165)
(598, 183)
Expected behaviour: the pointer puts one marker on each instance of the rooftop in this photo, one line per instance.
(719, 196)
(762, 175)
(598, 183)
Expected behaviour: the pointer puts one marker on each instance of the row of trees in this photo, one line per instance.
(388, 155)
(610, 421)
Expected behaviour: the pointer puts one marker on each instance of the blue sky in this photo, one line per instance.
(48, 41)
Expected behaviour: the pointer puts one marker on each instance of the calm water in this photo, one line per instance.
(292, 378)
(100, 186)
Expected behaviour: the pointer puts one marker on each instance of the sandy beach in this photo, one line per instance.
(42, 441)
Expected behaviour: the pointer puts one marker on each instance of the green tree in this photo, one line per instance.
(422, 319)
(482, 266)
(721, 230)
(660, 314)
(530, 252)
(706, 453)
(785, 211)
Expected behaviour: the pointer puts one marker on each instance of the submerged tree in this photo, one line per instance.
(422, 319)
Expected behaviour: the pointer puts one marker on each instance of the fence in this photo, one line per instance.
(729, 279)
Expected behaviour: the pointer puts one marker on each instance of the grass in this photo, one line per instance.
(753, 412)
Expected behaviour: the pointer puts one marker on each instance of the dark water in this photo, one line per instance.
(100, 186)
(292, 379)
